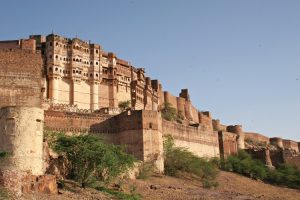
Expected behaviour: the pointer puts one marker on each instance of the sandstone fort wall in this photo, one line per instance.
(201, 143)
(257, 137)
(20, 78)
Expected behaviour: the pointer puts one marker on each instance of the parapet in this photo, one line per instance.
(205, 119)
(277, 141)
(217, 126)
(289, 144)
(24, 44)
(22, 137)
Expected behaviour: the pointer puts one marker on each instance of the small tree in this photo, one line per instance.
(91, 158)
(168, 112)
(124, 105)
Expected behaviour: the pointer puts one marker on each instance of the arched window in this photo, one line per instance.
(56, 69)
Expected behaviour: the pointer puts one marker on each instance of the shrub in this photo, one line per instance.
(168, 112)
(177, 159)
(286, 175)
(124, 105)
(146, 170)
(244, 164)
(90, 158)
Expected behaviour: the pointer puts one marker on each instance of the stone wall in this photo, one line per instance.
(201, 143)
(72, 121)
(257, 137)
(20, 78)
(289, 144)
(227, 144)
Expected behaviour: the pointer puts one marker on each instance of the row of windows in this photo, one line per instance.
(74, 60)
(74, 47)
(74, 72)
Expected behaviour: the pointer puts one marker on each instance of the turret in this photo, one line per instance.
(22, 137)
(237, 129)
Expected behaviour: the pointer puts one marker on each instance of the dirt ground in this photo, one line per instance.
(231, 186)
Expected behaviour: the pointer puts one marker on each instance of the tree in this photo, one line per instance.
(124, 105)
(168, 112)
(91, 158)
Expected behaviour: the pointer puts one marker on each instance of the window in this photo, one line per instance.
(56, 56)
(50, 44)
(96, 51)
(96, 63)
(56, 69)
(56, 43)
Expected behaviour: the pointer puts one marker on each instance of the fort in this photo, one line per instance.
(61, 84)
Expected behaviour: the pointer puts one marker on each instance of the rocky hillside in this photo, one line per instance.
(231, 186)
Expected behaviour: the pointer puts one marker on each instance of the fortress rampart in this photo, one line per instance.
(201, 143)
(75, 86)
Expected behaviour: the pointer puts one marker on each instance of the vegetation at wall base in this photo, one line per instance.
(285, 175)
(91, 159)
(146, 170)
(177, 160)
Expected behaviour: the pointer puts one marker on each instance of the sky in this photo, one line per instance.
(240, 59)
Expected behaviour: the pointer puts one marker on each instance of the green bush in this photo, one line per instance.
(177, 159)
(91, 159)
(244, 164)
(168, 112)
(286, 175)
(124, 105)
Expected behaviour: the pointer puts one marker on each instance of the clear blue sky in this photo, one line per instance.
(240, 59)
